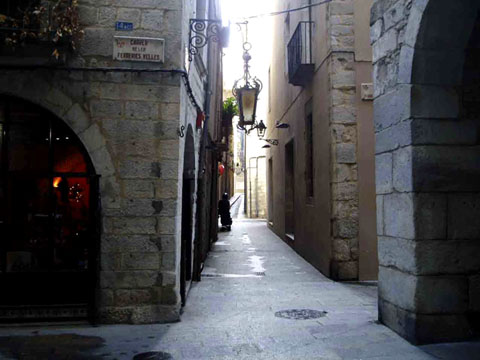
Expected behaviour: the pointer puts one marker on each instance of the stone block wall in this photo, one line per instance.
(138, 115)
(344, 141)
(426, 173)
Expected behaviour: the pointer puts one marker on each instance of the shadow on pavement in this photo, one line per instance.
(41, 347)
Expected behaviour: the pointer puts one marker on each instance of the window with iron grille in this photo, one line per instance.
(299, 53)
(20, 20)
(16, 9)
(52, 24)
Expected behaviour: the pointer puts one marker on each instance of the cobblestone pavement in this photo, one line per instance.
(250, 279)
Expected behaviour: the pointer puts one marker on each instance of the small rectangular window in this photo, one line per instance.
(309, 168)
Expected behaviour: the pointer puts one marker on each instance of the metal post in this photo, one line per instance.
(250, 191)
(245, 187)
(256, 188)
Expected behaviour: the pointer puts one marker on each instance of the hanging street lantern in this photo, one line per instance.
(247, 99)
(246, 91)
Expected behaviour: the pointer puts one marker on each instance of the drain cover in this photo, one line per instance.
(300, 314)
(153, 355)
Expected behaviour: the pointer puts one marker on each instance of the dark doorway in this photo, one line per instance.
(188, 189)
(48, 217)
(289, 191)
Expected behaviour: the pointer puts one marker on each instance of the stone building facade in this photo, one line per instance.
(321, 191)
(427, 87)
(127, 116)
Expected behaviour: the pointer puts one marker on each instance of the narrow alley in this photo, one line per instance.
(257, 299)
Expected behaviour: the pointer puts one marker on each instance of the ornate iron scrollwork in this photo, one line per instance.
(181, 131)
(201, 32)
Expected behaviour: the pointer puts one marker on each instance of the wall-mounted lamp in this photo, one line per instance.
(273, 142)
(261, 129)
(282, 126)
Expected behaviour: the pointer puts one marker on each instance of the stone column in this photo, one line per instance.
(343, 127)
(426, 176)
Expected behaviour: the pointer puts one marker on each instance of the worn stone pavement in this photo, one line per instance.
(249, 276)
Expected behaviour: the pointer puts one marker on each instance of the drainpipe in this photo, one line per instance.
(245, 187)
(256, 184)
(309, 10)
(250, 196)
(310, 29)
(250, 182)
(256, 189)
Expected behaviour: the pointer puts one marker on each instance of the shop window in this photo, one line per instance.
(28, 142)
(48, 192)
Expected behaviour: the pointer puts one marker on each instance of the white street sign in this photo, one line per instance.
(126, 48)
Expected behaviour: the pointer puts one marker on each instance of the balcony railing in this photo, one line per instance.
(300, 62)
(23, 19)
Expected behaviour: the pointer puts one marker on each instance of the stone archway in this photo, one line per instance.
(49, 222)
(74, 114)
(428, 167)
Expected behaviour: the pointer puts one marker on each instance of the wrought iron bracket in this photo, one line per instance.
(242, 127)
(181, 131)
(202, 31)
(273, 142)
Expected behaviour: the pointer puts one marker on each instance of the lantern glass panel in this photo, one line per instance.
(261, 132)
(248, 102)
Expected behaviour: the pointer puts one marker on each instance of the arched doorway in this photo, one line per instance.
(48, 217)
(427, 121)
(188, 190)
